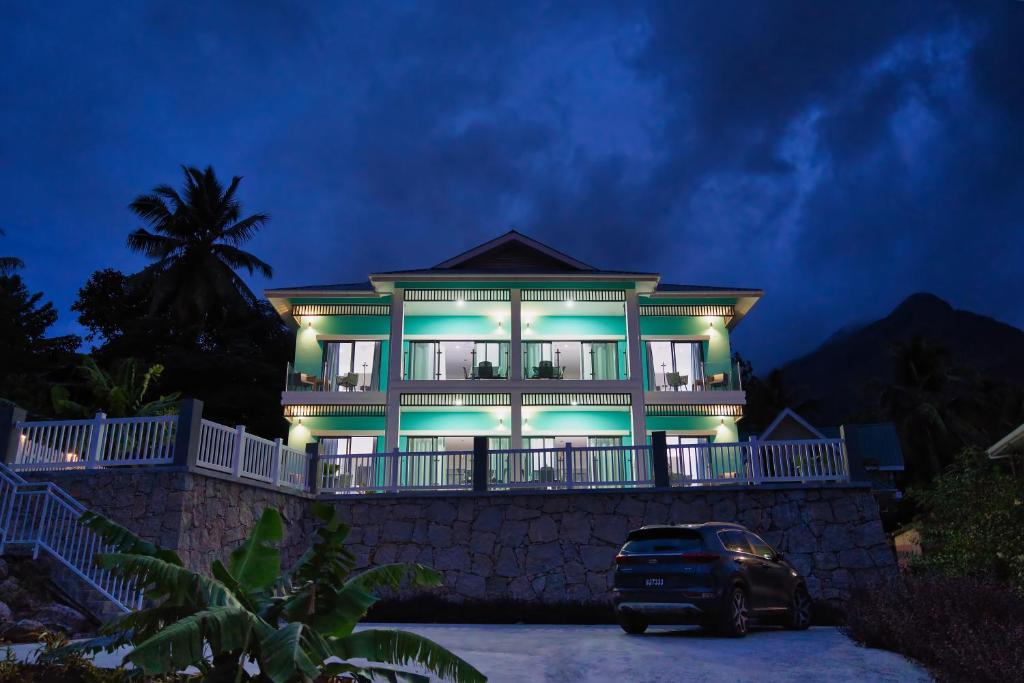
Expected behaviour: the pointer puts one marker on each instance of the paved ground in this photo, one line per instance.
(604, 653)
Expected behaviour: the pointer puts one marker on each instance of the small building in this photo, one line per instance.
(1009, 448)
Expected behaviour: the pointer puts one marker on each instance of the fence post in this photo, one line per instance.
(275, 464)
(10, 416)
(568, 465)
(393, 478)
(190, 425)
(96, 442)
(480, 458)
(313, 467)
(755, 460)
(237, 452)
(659, 459)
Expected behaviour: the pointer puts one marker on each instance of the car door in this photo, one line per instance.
(750, 566)
(774, 574)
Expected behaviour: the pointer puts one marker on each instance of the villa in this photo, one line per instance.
(522, 344)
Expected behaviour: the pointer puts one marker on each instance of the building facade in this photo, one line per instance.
(517, 342)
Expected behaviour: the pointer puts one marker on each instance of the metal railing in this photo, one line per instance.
(757, 462)
(705, 377)
(361, 380)
(44, 517)
(396, 471)
(99, 442)
(570, 467)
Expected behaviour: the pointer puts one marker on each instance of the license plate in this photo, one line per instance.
(653, 583)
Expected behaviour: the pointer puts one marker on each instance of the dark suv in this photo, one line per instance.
(714, 574)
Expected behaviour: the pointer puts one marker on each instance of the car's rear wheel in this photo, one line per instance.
(735, 616)
(632, 624)
(799, 616)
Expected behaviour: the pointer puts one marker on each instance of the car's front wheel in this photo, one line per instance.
(799, 616)
(631, 624)
(735, 614)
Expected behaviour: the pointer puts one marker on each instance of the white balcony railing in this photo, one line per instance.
(99, 442)
(757, 462)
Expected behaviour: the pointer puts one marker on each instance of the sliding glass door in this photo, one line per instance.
(674, 366)
(352, 464)
(445, 360)
(571, 360)
(687, 459)
(351, 365)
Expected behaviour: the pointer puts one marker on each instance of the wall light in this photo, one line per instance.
(460, 302)
(570, 303)
(458, 401)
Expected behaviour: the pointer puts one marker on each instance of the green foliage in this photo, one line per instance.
(289, 624)
(195, 245)
(974, 521)
(120, 393)
(28, 358)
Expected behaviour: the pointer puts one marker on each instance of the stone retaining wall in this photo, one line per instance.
(548, 547)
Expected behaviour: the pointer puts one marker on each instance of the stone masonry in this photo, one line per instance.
(547, 547)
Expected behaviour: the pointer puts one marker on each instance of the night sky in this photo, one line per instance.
(838, 155)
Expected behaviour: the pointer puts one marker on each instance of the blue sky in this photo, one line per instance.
(840, 156)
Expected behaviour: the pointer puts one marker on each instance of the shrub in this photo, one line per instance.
(963, 629)
(974, 521)
(288, 623)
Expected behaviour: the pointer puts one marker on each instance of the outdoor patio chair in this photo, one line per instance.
(349, 381)
(675, 380)
(485, 370)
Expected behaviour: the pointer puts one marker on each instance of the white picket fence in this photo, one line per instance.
(757, 462)
(42, 517)
(121, 442)
(99, 442)
(246, 456)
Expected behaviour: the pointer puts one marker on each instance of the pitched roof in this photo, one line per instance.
(789, 414)
(514, 251)
(1011, 444)
(366, 286)
(667, 287)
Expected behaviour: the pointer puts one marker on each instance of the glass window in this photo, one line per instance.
(735, 541)
(351, 365)
(600, 360)
(674, 366)
(663, 541)
(759, 547)
(687, 459)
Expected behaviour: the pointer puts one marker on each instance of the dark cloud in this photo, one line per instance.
(839, 155)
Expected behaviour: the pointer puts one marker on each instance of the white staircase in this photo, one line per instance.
(41, 517)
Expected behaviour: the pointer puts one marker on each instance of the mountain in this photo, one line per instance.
(834, 374)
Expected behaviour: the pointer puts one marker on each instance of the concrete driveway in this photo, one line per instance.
(605, 653)
(516, 654)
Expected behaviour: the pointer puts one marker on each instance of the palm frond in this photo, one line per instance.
(167, 580)
(245, 229)
(153, 246)
(236, 258)
(181, 644)
(9, 264)
(286, 653)
(394, 575)
(331, 611)
(403, 648)
(256, 563)
(124, 541)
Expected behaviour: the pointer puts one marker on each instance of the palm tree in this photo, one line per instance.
(9, 264)
(195, 241)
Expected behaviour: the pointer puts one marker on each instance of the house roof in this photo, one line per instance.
(513, 250)
(666, 287)
(790, 415)
(366, 286)
(1011, 444)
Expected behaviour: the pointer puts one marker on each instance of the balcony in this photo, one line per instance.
(574, 360)
(456, 360)
(698, 377)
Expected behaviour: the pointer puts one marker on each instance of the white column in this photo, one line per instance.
(636, 368)
(515, 360)
(395, 365)
(516, 417)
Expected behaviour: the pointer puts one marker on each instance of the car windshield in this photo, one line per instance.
(663, 542)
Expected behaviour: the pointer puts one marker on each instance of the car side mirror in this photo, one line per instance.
(779, 557)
